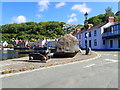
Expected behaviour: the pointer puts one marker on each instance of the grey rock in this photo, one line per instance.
(68, 43)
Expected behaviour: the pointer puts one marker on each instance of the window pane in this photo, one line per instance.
(95, 33)
(85, 42)
(103, 42)
(119, 43)
(89, 34)
(95, 42)
(111, 43)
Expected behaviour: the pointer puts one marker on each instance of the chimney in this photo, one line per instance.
(111, 19)
(78, 30)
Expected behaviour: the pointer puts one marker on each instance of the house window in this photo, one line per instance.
(119, 27)
(105, 30)
(114, 27)
(111, 29)
(103, 42)
(119, 43)
(95, 42)
(95, 32)
(89, 43)
(85, 42)
(89, 34)
(79, 36)
(111, 43)
(85, 35)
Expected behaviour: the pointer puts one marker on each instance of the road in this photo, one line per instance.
(98, 73)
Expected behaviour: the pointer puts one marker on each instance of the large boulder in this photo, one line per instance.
(67, 43)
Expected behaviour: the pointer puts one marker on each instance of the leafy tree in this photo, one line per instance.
(108, 10)
(32, 30)
(96, 20)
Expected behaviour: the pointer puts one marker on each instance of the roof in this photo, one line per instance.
(102, 24)
(95, 27)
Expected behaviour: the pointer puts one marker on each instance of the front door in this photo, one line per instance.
(111, 43)
(118, 43)
(89, 43)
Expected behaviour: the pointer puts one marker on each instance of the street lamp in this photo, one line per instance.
(86, 27)
(86, 15)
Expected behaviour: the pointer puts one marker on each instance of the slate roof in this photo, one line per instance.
(95, 27)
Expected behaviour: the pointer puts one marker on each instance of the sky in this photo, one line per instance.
(44, 10)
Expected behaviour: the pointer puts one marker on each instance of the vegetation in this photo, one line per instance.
(32, 30)
(10, 45)
(103, 17)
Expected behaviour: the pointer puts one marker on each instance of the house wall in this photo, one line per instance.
(115, 44)
(102, 46)
(83, 40)
(78, 36)
(98, 38)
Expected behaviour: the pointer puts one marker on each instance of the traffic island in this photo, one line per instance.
(23, 64)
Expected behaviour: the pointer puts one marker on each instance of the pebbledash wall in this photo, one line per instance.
(103, 36)
(78, 36)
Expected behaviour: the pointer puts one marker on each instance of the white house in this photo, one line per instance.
(4, 44)
(38, 43)
(103, 36)
(51, 43)
(45, 42)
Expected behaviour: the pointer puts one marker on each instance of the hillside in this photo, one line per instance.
(32, 30)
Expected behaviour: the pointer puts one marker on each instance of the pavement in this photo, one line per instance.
(101, 72)
(23, 64)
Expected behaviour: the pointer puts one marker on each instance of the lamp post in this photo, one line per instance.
(86, 27)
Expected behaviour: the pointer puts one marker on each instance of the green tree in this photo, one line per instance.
(32, 30)
(108, 10)
(103, 17)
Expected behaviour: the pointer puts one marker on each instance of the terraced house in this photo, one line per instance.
(103, 36)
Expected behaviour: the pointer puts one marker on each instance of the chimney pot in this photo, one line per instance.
(111, 19)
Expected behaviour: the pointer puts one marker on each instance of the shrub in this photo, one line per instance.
(10, 45)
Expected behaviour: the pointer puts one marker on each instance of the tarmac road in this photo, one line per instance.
(99, 73)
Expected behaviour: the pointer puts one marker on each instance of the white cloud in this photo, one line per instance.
(81, 8)
(72, 20)
(38, 15)
(73, 15)
(19, 19)
(43, 5)
(60, 4)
